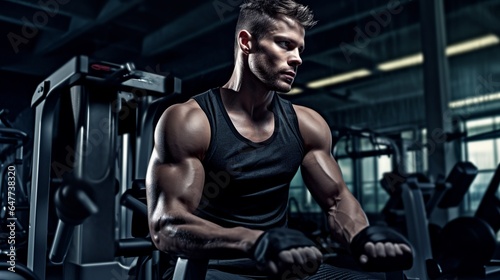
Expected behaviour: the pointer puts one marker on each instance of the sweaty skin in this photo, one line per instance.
(175, 176)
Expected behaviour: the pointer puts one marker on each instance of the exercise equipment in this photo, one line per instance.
(147, 264)
(489, 208)
(416, 225)
(413, 198)
(467, 244)
(74, 203)
(464, 246)
(14, 193)
(12, 144)
(186, 269)
(89, 102)
(21, 272)
(383, 145)
(444, 193)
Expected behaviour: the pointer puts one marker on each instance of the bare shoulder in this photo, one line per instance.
(183, 130)
(313, 128)
(189, 111)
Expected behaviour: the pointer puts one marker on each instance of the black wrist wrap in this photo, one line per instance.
(272, 242)
(377, 234)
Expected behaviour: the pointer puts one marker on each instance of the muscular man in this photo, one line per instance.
(219, 175)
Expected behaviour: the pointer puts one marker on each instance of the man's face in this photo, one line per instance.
(276, 57)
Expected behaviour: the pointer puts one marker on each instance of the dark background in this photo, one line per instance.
(194, 41)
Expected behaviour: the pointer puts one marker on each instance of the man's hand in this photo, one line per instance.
(302, 260)
(286, 251)
(382, 249)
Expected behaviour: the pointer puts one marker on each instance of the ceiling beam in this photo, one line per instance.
(33, 65)
(364, 9)
(482, 15)
(32, 19)
(201, 20)
(50, 42)
(180, 31)
(65, 8)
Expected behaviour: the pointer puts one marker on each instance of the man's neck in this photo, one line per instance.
(246, 94)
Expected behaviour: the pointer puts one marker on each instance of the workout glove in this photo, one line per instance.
(377, 234)
(272, 242)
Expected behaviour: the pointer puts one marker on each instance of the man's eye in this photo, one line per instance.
(284, 44)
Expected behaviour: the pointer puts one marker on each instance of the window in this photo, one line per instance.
(301, 194)
(373, 196)
(485, 154)
(345, 166)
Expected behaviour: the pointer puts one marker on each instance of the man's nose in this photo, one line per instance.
(294, 59)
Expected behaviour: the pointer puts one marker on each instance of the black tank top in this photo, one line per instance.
(247, 183)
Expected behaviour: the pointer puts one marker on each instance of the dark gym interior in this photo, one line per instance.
(409, 88)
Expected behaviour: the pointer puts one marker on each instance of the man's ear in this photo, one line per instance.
(245, 41)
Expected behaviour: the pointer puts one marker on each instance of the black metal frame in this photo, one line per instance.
(93, 87)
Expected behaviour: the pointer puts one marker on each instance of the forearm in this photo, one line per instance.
(186, 235)
(346, 218)
(322, 175)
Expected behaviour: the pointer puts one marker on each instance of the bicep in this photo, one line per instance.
(175, 176)
(174, 186)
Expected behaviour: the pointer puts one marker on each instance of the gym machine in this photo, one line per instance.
(12, 143)
(464, 247)
(468, 255)
(13, 197)
(95, 98)
(381, 145)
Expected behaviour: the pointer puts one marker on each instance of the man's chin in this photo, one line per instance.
(285, 88)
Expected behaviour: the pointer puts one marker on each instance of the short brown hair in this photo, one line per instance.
(257, 15)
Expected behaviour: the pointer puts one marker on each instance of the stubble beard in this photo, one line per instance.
(274, 81)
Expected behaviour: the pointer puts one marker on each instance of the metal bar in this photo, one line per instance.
(436, 83)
